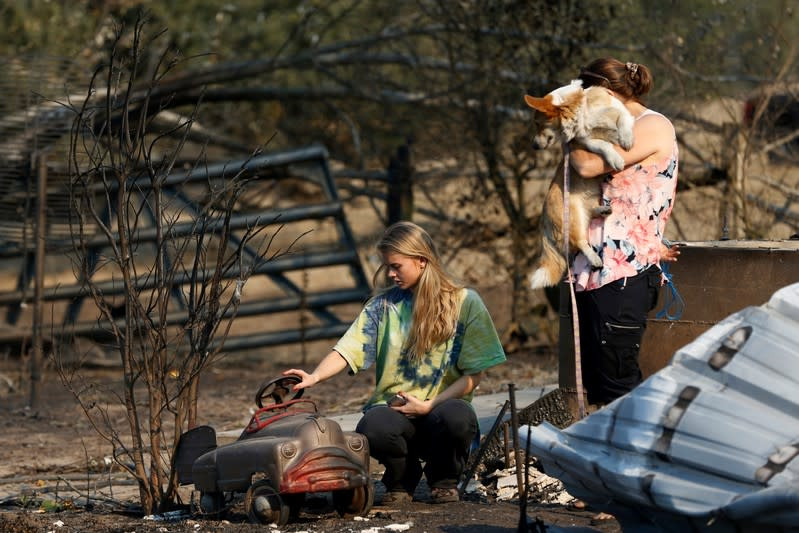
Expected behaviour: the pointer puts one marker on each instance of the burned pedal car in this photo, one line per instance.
(286, 451)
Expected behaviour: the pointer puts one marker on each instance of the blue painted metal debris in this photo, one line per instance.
(708, 443)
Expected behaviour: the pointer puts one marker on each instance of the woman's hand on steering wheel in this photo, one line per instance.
(278, 391)
(306, 380)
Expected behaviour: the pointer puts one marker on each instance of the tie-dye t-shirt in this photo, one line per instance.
(378, 335)
(629, 239)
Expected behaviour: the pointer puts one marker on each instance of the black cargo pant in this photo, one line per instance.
(612, 323)
(440, 439)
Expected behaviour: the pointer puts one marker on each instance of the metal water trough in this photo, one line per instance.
(716, 279)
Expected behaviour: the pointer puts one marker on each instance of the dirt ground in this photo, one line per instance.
(47, 456)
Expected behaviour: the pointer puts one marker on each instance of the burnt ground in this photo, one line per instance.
(46, 458)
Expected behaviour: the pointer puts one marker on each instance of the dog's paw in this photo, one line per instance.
(593, 258)
(615, 161)
(626, 139)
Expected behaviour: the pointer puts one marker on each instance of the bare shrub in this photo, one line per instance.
(144, 254)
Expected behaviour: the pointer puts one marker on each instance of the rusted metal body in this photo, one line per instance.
(286, 451)
(716, 279)
(302, 452)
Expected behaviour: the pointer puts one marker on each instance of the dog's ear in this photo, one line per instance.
(542, 104)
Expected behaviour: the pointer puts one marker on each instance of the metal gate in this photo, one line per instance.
(309, 288)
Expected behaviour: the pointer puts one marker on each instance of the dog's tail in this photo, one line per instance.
(550, 268)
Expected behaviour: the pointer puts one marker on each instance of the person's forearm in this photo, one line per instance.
(587, 164)
(332, 364)
(460, 388)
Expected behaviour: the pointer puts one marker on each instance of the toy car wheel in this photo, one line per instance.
(354, 502)
(211, 503)
(264, 505)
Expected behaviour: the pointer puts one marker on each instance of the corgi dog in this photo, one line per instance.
(592, 119)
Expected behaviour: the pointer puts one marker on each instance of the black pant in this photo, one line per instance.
(440, 439)
(612, 323)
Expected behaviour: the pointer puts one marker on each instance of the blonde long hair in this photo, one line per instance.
(436, 295)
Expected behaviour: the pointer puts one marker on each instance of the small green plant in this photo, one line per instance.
(50, 506)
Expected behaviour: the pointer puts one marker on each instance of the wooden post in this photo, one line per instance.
(399, 200)
(38, 281)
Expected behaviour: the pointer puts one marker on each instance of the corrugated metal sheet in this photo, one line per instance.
(708, 443)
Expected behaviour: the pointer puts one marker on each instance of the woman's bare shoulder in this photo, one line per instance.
(654, 122)
(656, 135)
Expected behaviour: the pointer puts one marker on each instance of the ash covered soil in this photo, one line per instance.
(48, 458)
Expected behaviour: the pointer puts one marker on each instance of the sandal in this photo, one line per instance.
(444, 495)
(396, 497)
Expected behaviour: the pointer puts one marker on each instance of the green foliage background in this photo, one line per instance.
(696, 48)
(365, 76)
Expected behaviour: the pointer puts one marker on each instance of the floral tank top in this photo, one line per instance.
(629, 239)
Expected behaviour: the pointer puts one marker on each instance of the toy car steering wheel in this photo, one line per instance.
(278, 391)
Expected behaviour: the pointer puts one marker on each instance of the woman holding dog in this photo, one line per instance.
(429, 340)
(613, 300)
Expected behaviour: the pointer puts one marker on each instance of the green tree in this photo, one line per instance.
(363, 76)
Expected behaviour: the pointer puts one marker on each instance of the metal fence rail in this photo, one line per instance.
(307, 164)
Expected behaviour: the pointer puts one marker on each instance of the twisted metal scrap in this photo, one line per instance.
(551, 407)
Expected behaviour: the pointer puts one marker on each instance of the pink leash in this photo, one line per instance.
(578, 371)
